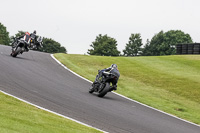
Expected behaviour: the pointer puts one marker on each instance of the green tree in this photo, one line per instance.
(133, 46)
(164, 43)
(104, 46)
(51, 46)
(146, 50)
(174, 37)
(156, 44)
(4, 35)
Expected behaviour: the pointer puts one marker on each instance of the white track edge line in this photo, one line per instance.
(51, 111)
(125, 96)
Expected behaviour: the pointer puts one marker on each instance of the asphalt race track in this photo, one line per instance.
(39, 79)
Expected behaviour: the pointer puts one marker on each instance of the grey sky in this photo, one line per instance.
(76, 23)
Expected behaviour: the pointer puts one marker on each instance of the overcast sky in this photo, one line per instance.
(76, 23)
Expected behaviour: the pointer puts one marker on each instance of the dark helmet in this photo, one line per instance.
(34, 31)
(113, 66)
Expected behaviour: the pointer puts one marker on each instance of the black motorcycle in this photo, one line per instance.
(34, 45)
(20, 45)
(103, 85)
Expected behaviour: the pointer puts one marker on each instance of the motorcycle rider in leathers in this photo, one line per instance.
(27, 38)
(33, 36)
(100, 74)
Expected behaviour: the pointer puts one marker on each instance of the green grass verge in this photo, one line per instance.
(168, 83)
(19, 117)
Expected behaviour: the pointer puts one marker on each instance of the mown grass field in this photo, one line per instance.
(19, 117)
(168, 83)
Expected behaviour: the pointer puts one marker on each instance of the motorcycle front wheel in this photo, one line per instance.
(16, 52)
(91, 89)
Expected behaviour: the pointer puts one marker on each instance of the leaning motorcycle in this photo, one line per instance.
(34, 45)
(18, 46)
(103, 86)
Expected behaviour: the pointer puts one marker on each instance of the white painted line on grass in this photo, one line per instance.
(51, 111)
(125, 96)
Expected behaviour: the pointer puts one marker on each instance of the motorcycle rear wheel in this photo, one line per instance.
(105, 90)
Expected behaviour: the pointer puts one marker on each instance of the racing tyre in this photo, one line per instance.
(91, 89)
(105, 90)
(15, 53)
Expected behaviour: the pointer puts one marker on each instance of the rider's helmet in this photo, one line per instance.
(34, 31)
(113, 66)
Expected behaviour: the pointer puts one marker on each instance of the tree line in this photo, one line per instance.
(49, 45)
(162, 43)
